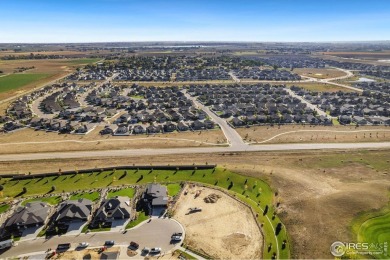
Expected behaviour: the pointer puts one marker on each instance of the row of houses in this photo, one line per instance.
(58, 219)
(202, 74)
(90, 74)
(143, 75)
(366, 108)
(256, 104)
(383, 87)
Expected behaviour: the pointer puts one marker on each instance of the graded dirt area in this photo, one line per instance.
(28, 140)
(225, 229)
(86, 254)
(314, 134)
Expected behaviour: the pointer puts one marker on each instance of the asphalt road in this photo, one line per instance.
(146, 152)
(234, 139)
(157, 233)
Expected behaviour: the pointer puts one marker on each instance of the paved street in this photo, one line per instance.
(157, 233)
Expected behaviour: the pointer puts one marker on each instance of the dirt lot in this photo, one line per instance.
(320, 191)
(29, 140)
(217, 229)
(322, 87)
(90, 254)
(319, 73)
(314, 134)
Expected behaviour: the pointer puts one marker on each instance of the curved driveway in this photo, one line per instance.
(157, 233)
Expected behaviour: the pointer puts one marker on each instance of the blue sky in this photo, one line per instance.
(198, 20)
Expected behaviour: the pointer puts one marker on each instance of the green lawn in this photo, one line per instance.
(127, 192)
(14, 81)
(55, 200)
(141, 217)
(4, 207)
(173, 189)
(249, 189)
(91, 196)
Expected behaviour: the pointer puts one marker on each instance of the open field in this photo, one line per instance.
(364, 55)
(29, 140)
(314, 134)
(15, 81)
(319, 73)
(321, 87)
(53, 69)
(320, 191)
(218, 230)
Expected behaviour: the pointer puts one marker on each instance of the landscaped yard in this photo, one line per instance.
(91, 196)
(141, 217)
(15, 81)
(50, 200)
(4, 207)
(173, 189)
(127, 192)
(253, 191)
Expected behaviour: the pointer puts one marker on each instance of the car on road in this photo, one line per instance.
(155, 250)
(83, 245)
(109, 243)
(177, 236)
(63, 247)
(133, 245)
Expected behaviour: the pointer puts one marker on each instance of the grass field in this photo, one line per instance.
(127, 192)
(54, 200)
(319, 73)
(15, 81)
(90, 196)
(253, 191)
(4, 208)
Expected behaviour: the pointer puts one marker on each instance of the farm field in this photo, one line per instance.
(213, 231)
(319, 73)
(314, 134)
(29, 140)
(320, 191)
(15, 81)
(52, 69)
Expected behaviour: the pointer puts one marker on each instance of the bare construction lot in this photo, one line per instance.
(28, 140)
(314, 134)
(225, 229)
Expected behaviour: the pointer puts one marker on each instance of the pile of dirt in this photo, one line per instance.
(212, 198)
(236, 242)
(131, 253)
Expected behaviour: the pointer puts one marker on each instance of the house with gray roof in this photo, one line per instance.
(155, 197)
(112, 209)
(34, 214)
(73, 211)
